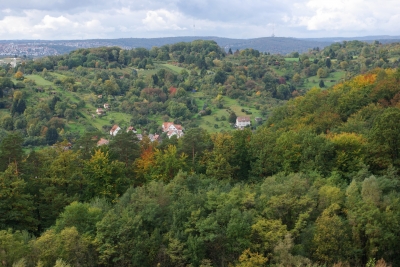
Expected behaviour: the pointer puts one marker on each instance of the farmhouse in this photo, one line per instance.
(242, 122)
(114, 130)
(102, 142)
(107, 106)
(130, 128)
(100, 111)
(153, 137)
(172, 129)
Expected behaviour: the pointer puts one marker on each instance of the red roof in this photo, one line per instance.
(102, 141)
(115, 127)
(243, 119)
(166, 125)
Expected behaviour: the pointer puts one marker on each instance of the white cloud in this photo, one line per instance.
(55, 23)
(157, 20)
(347, 16)
(76, 19)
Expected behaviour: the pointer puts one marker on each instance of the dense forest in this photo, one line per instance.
(316, 183)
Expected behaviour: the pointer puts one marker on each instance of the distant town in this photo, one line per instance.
(44, 48)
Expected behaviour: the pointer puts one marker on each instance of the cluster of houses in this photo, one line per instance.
(102, 111)
(172, 129)
(169, 128)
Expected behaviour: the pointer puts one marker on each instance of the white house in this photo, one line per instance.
(242, 122)
(114, 130)
(131, 128)
(172, 129)
(100, 111)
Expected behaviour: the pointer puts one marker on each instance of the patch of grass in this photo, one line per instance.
(334, 78)
(291, 59)
(207, 122)
(174, 68)
(39, 80)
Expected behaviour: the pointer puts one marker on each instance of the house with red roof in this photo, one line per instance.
(242, 122)
(172, 129)
(102, 142)
(114, 130)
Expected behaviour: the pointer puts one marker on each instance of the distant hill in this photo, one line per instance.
(273, 45)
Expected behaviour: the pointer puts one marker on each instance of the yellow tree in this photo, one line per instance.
(219, 160)
(167, 163)
(331, 238)
(19, 75)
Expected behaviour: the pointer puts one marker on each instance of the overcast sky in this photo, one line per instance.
(84, 19)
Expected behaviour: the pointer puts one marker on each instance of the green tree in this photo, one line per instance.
(385, 136)
(11, 151)
(103, 177)
(331, 237)
(328, 63)
(194, 143)
(322, 73)
(167, 163)
(82, 216)
(16, 205)
(51, 136)
(14, 246)
(219, 159)
(220, 77)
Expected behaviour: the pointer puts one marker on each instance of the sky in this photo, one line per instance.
(106, 19)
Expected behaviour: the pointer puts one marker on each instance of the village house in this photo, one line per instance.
(102, 142)
(114, 130)
(153, 137)
(242, 122)
(130, 128)
(107, 106)
(100, 111)
(172, 129)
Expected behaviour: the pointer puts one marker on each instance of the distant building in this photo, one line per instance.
(107, 106)
(130, 128)
(102, 142)
(153, 137)
(100, 111)
(242, 122)
(258, 120)
(172, 129)
(114, 130)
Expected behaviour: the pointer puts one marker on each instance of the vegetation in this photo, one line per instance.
(315, 185)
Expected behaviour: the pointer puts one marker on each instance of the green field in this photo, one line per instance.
(208, 122)
(174, 68)
(332, 79)
(39, 80)
(290, 59)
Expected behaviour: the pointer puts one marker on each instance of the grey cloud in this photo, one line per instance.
(233, 11)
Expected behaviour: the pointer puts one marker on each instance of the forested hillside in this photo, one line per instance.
(315, 184)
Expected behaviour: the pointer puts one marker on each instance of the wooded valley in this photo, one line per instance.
(313, 181)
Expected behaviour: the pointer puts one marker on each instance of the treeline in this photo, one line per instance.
(196, 52)
(318, 184)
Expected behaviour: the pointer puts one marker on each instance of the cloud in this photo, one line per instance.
(162, 20)
(77, 19)
(348, 16)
